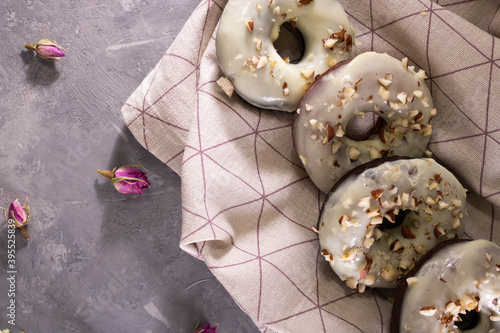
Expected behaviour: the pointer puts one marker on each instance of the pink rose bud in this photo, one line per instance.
(127, 179)
(47, 49)
(19, 215)
(206, 329)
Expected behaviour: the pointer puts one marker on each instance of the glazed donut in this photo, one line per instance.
(448, 286)
(245, 37)
(380, 218)
(371, 82)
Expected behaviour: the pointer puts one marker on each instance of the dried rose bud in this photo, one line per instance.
(20, 215)
(47, 49)
(127, 179)
(206, 329)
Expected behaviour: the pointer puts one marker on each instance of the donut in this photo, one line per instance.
(245, 50)
(453, 288)
(383, 216)
(371, 84)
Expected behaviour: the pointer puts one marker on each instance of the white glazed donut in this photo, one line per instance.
(247, 30)
(458, 279)
(371, 82)
(361, 248)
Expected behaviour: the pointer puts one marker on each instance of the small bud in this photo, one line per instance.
(127, 179)
(47, 49)
(19, 215)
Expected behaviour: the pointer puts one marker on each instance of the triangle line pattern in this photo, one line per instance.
(241, 221)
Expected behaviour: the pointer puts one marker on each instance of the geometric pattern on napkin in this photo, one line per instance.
(248, 205)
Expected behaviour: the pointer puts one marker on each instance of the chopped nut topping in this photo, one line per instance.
(421, 74)
(336, 146)
(388, 273)
(353, 153)
(373, 213)
(407, 233)
(352, 283)
(376, 220)
(404, 62)
(488, 256)
(331, 62)
(403, 97)
(418, 93)
(495, 317)
(390, 216)
(329, 42)
(412, 280)
(350, 254)
(368, 243)
(327, 255)
(385, 82)
(307, 73)
(384, 93)
(377, 193)
(249, 24)
(374, 153)
(348, 91)
(339, 131)
(226, 85)
(364, 202)
(404, 263)
(277, 10)
(428, 311)
(303, 159)
(439, 231)
(370, 279)
(262, 62)
(286, 90)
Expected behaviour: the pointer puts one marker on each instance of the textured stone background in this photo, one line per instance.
(97, 261)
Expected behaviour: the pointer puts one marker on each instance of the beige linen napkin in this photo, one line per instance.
(248, 205)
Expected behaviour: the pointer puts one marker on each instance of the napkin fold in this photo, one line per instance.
(248, 204)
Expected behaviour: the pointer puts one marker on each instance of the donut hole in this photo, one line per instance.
(469, 320)
(361, 128)
(399, 218)
(290, 43)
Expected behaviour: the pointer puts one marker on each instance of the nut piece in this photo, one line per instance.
(377, 193)
(407, 233)
(307, 73)
(412, 280)
(336, 146)
(384, 93)
(249, 24)
(329, 42)
(388, 273)
(428, 311)
(364, 202)
(226, 85)
(353, 153)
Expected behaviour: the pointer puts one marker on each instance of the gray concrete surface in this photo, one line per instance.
(97, 260)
